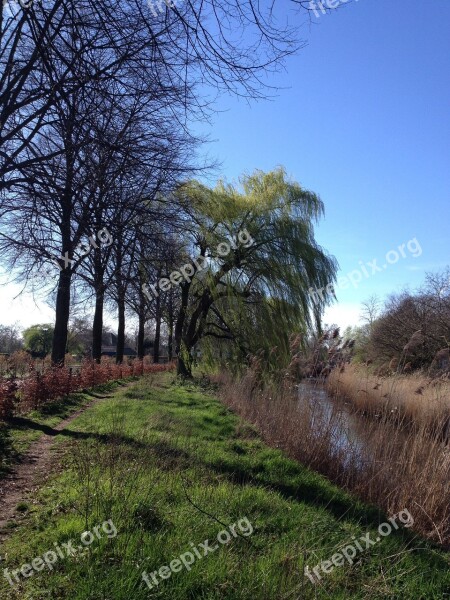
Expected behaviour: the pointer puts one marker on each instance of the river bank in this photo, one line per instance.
(378, 460)
(414, 401)
(171, 468)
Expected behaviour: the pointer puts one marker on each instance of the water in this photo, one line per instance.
(352, 438)
(326, 414)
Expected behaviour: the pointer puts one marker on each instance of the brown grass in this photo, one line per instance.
(412, 399)
(376, 459)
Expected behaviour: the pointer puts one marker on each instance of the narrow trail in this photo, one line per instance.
(33, 470)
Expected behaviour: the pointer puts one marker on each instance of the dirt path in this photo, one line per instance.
(33, 470)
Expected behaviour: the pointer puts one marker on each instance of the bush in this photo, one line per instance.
(55, 382)
(8, 389)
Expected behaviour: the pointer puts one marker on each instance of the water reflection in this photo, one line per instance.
(351, 436)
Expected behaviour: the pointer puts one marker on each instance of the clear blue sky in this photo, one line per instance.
(365, 123)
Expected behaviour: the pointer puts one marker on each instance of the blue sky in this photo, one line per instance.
(364, 121)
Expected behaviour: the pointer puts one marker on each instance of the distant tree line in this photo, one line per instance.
(411, 331)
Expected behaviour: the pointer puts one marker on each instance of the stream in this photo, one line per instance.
(350, 434)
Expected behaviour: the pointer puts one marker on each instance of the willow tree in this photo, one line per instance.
(253, 259)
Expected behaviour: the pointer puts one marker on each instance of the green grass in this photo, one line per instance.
(172, 467)
(19, 433)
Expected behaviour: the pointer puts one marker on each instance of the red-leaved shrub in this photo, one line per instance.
(55, 382)
(8, 389)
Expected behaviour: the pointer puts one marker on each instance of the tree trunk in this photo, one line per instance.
(120, 292)
(184, 365)
(97, 326)
(62, 317)
(141, 335)
(141, 318)
(98, 280)
(170, 340)
(120, 331)
(157, 330)
(170, 324)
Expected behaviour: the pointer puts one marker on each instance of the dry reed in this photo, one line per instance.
(379, 460)
(412, 399)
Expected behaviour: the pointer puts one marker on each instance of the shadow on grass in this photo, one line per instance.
(23, 423)
(60, 408)
(7, 452)
(319, 495)
(91, 394)
(316, 494)
(66, 405)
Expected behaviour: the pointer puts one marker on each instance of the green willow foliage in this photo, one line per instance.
(253, 299)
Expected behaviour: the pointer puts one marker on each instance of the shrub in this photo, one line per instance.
(8, 389)
(55, 382)
(20, 363)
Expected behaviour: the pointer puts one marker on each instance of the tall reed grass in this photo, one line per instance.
(378, 460)
(414, 400)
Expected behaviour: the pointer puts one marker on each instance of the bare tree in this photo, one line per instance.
(57, 67)
(415, 326)
(370, 310)
(97, 137)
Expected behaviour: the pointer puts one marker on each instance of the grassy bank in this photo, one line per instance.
(170, 466)
(18, 433)
(380, 460)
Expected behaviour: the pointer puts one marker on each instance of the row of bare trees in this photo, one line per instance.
(96, 99)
